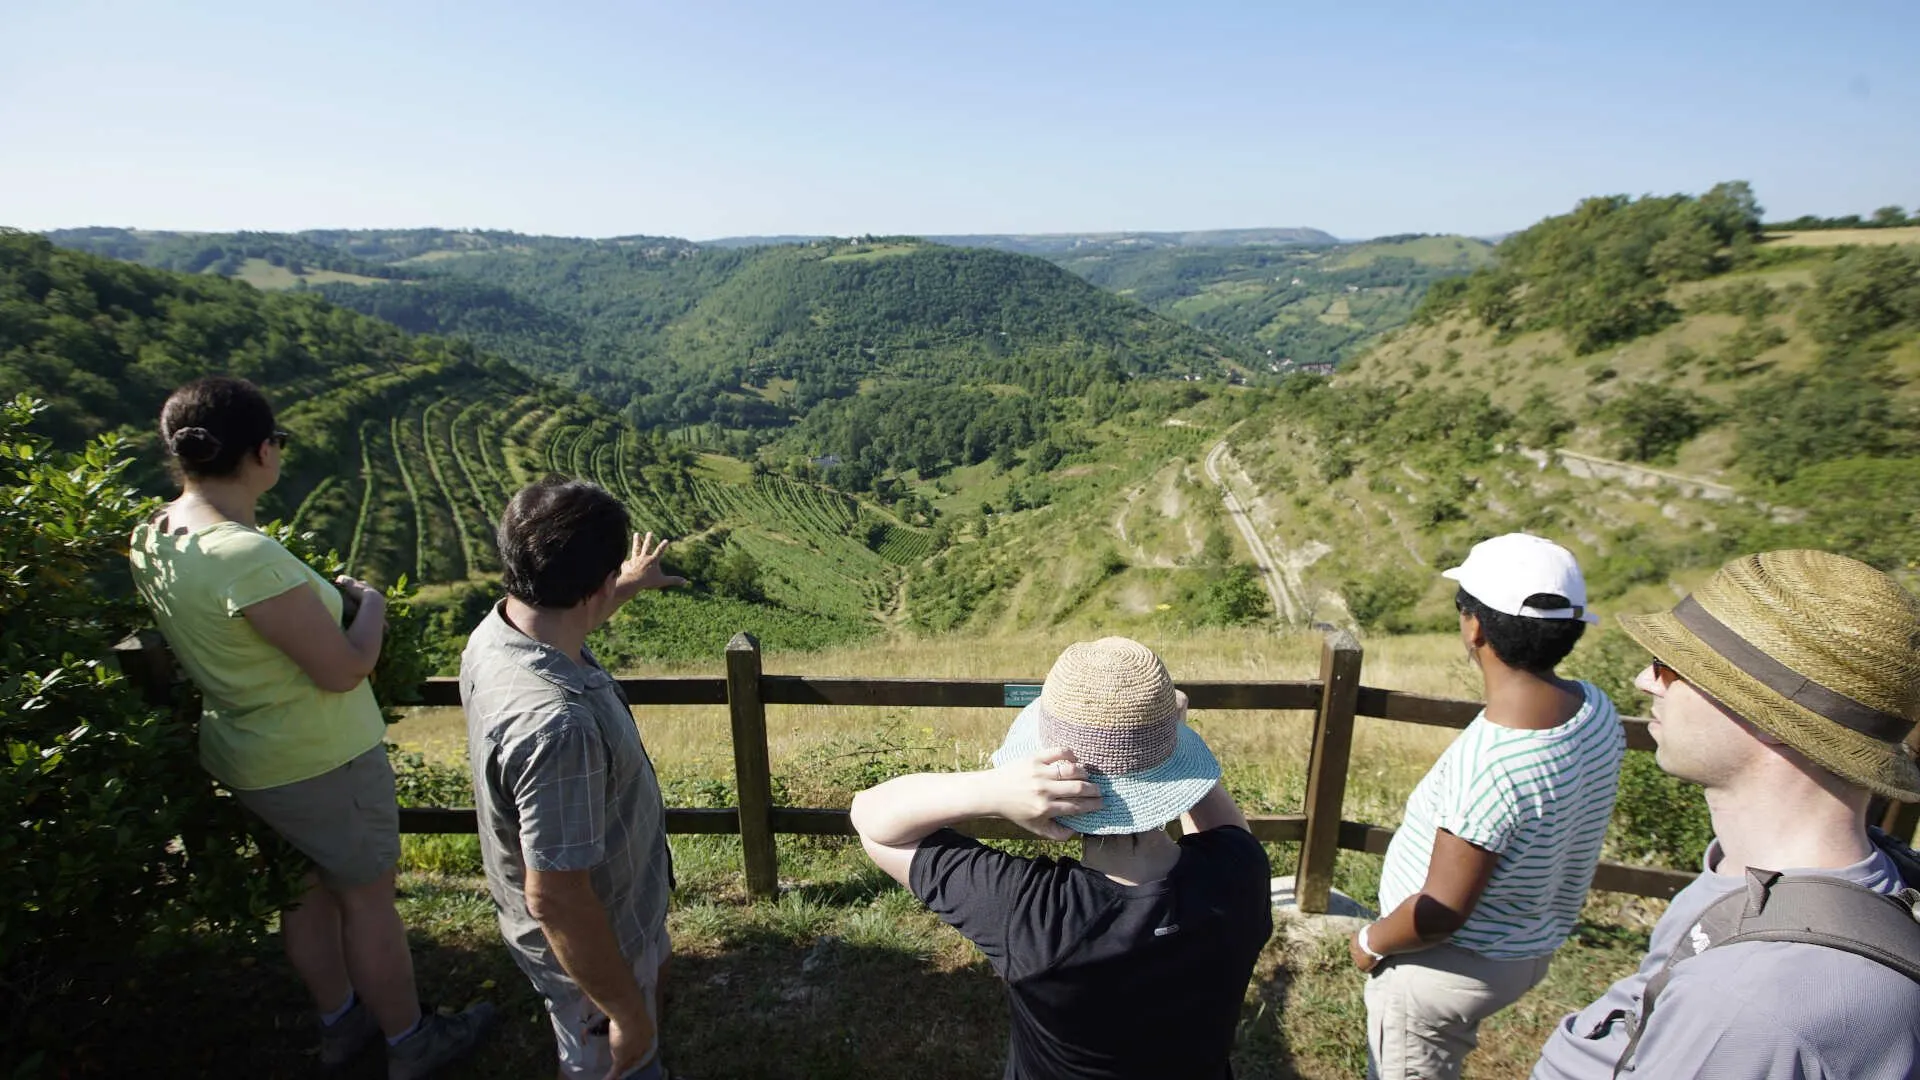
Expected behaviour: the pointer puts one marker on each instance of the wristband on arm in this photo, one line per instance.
(1367, 947)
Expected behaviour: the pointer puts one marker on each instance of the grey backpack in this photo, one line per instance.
(1883, 927)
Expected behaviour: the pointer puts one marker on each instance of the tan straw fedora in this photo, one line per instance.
(1816, 649)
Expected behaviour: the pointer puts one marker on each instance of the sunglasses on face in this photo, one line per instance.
(280, 439)
(1664, 674)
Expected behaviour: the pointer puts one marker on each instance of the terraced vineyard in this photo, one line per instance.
(438, 455)
(805, 542)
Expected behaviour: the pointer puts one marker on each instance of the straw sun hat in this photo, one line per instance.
(1112, 703)
(1816, 649)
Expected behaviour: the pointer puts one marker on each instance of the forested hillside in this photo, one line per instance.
(1655, 381)
(675, 334)
(406, 447)
(1056, 245)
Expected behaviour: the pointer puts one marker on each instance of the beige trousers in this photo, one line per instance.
(1424, 1009)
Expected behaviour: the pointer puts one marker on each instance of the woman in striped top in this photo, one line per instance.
(1492, 862)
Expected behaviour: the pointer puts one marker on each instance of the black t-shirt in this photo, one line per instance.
(1110, 981)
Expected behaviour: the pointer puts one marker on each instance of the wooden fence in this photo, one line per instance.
(1335, 699)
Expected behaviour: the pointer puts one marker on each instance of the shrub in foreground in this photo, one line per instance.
(116, 839)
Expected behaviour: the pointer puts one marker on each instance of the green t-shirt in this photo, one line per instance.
(264, 723)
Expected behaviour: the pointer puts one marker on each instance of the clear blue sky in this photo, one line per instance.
(703, 119)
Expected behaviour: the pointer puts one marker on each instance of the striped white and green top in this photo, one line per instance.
(1539, 798)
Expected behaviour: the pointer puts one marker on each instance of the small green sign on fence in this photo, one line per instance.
(1019, 695)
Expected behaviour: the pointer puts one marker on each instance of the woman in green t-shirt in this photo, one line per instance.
(289, 723)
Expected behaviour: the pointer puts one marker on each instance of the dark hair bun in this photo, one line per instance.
(195, 444)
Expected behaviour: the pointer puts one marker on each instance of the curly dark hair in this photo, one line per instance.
(1536, 645)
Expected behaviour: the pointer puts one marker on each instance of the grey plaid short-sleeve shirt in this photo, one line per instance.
(560, 782)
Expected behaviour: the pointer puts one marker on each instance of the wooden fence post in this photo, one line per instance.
(753, 777)
(1327, 769)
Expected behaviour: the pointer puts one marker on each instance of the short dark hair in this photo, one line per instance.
(1521, 641)
(559, 539)
(210, 425)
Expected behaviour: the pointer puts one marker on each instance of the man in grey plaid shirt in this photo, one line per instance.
(572, 829)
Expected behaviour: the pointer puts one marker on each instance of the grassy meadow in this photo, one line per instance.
(262, 274)
(844, 975)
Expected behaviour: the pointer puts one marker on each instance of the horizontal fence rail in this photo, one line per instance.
(1336, 699)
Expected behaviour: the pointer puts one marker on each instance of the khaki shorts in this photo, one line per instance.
(345, 820)
(1424, 1009)
(579, 1029)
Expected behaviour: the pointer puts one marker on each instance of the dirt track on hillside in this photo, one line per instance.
(1284, 605)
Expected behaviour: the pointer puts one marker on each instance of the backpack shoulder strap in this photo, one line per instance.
(1720, 919)
(1882, 927)
(1804, 909)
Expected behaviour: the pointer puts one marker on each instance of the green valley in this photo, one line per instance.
(670, 333)
(890, 432)
(1297, 305)
(405, 448)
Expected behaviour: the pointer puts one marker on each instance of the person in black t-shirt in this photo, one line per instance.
(1132, 961)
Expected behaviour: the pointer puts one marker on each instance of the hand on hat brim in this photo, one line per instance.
(1032, 791)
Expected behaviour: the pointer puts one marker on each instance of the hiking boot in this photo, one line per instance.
(348, 1037)
(440, 1040)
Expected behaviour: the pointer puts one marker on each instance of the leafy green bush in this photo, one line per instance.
(737, 574)
(1865, 508)
(1863, 292)
(1233, 597)
(1651, 423)
(419, 782)
(1600, 273)
(1750, 299)
(1381, 600)
(680, 624)
(1540, 422)
(115, 838)
(1630, 562)
(1657, 819)
(1791, 421)
(416, 643)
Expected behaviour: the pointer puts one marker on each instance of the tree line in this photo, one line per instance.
(1600, 274)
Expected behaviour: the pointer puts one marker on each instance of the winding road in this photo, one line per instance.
(1283, 603)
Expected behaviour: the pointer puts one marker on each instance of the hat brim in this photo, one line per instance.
(1883, 768)
(1130, 802)
(1588, 617)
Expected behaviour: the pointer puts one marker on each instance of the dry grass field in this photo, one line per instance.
(1909, 234)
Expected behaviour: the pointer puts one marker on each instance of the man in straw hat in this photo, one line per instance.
(1489, 869)
(1784, 686)
(1133, 960)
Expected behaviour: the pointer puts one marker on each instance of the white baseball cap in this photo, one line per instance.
(1504, 572)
